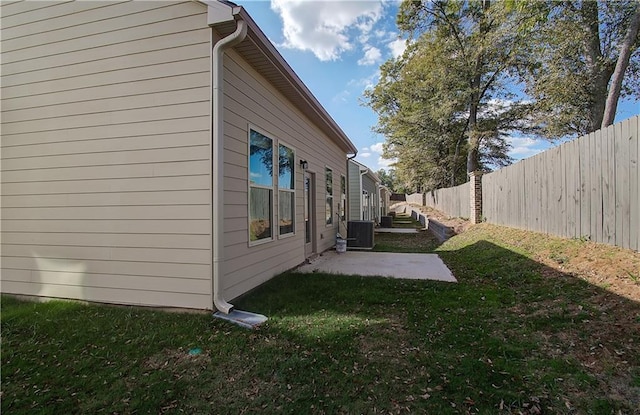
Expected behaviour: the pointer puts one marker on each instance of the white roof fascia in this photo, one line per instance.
(219, 12)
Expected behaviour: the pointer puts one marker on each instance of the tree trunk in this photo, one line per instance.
(595, 64)
(454, 168)
(454, 163)
(621, 66)
(473, 156)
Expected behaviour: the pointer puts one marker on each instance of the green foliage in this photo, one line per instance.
(450, 97)
(573, 54)
(444, 106)
(388, 179)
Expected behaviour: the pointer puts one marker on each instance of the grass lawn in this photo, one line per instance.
(513, 336)
(423, 241)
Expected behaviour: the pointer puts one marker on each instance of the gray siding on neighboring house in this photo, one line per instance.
(354, 192)
(250, 101)
(371, 187)
(384, 201)
(105, 157)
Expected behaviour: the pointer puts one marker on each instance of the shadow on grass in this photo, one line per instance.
(513, 334)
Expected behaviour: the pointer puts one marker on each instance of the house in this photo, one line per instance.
(158, 153)
(385, 200)
(364, 193)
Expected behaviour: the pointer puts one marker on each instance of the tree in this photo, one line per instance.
(575, 52)
(447, 99)
(387, 179)
(629, 42)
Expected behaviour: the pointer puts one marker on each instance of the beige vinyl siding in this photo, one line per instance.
(251, 102)
(105, 157)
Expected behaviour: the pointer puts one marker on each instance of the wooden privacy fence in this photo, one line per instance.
(415, 199)
(585, 188)
(453, 200)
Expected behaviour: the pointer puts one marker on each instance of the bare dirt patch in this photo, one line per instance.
(608, 267)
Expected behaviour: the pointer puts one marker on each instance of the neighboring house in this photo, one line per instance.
(385, 200)
(134, 173)
(364, 193)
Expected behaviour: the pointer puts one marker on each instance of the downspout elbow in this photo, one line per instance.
(217, 172)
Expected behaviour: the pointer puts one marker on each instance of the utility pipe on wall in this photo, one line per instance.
(217, 158)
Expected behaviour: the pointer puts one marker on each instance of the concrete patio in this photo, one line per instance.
(385, 264)
(396, 230)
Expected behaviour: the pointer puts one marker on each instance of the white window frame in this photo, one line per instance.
(272, 188)
(292, 191)
(328, 196)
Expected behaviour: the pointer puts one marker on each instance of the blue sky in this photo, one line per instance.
(336, 48)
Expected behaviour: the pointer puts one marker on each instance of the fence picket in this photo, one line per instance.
(634, 188)
(588, 187)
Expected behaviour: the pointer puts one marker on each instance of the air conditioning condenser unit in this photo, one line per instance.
(360, 234)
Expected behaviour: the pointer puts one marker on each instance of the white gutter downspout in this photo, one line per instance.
(217, 174)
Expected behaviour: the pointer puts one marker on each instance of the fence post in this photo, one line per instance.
(475, 196)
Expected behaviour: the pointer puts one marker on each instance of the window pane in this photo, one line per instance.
(329, 181)
(286, 203)
(329, 210)
(286, 176)
(260, 160)
(260, 214)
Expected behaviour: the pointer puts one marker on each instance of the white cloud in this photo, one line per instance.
(372, 55)
(326, 28)
(364, 155)
(342, 96)
(377, 148)
(397, 47)
(523, 147)
(380, 33)
(367, 82)
(386, 163)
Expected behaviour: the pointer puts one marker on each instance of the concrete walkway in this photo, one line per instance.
(385, 264)
(397, 230)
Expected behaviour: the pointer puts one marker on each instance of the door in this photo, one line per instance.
(309, 215)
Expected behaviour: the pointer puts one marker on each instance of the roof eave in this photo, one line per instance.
(224, 12)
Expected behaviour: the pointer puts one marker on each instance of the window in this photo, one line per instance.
(286, 190)
(343, 198)
(329, 185)
(365, 205)
(260, 186)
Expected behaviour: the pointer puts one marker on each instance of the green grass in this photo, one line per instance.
(423, 241)
(508, 338)
(404, 220)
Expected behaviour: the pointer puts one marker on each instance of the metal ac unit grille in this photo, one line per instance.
(360, 234)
